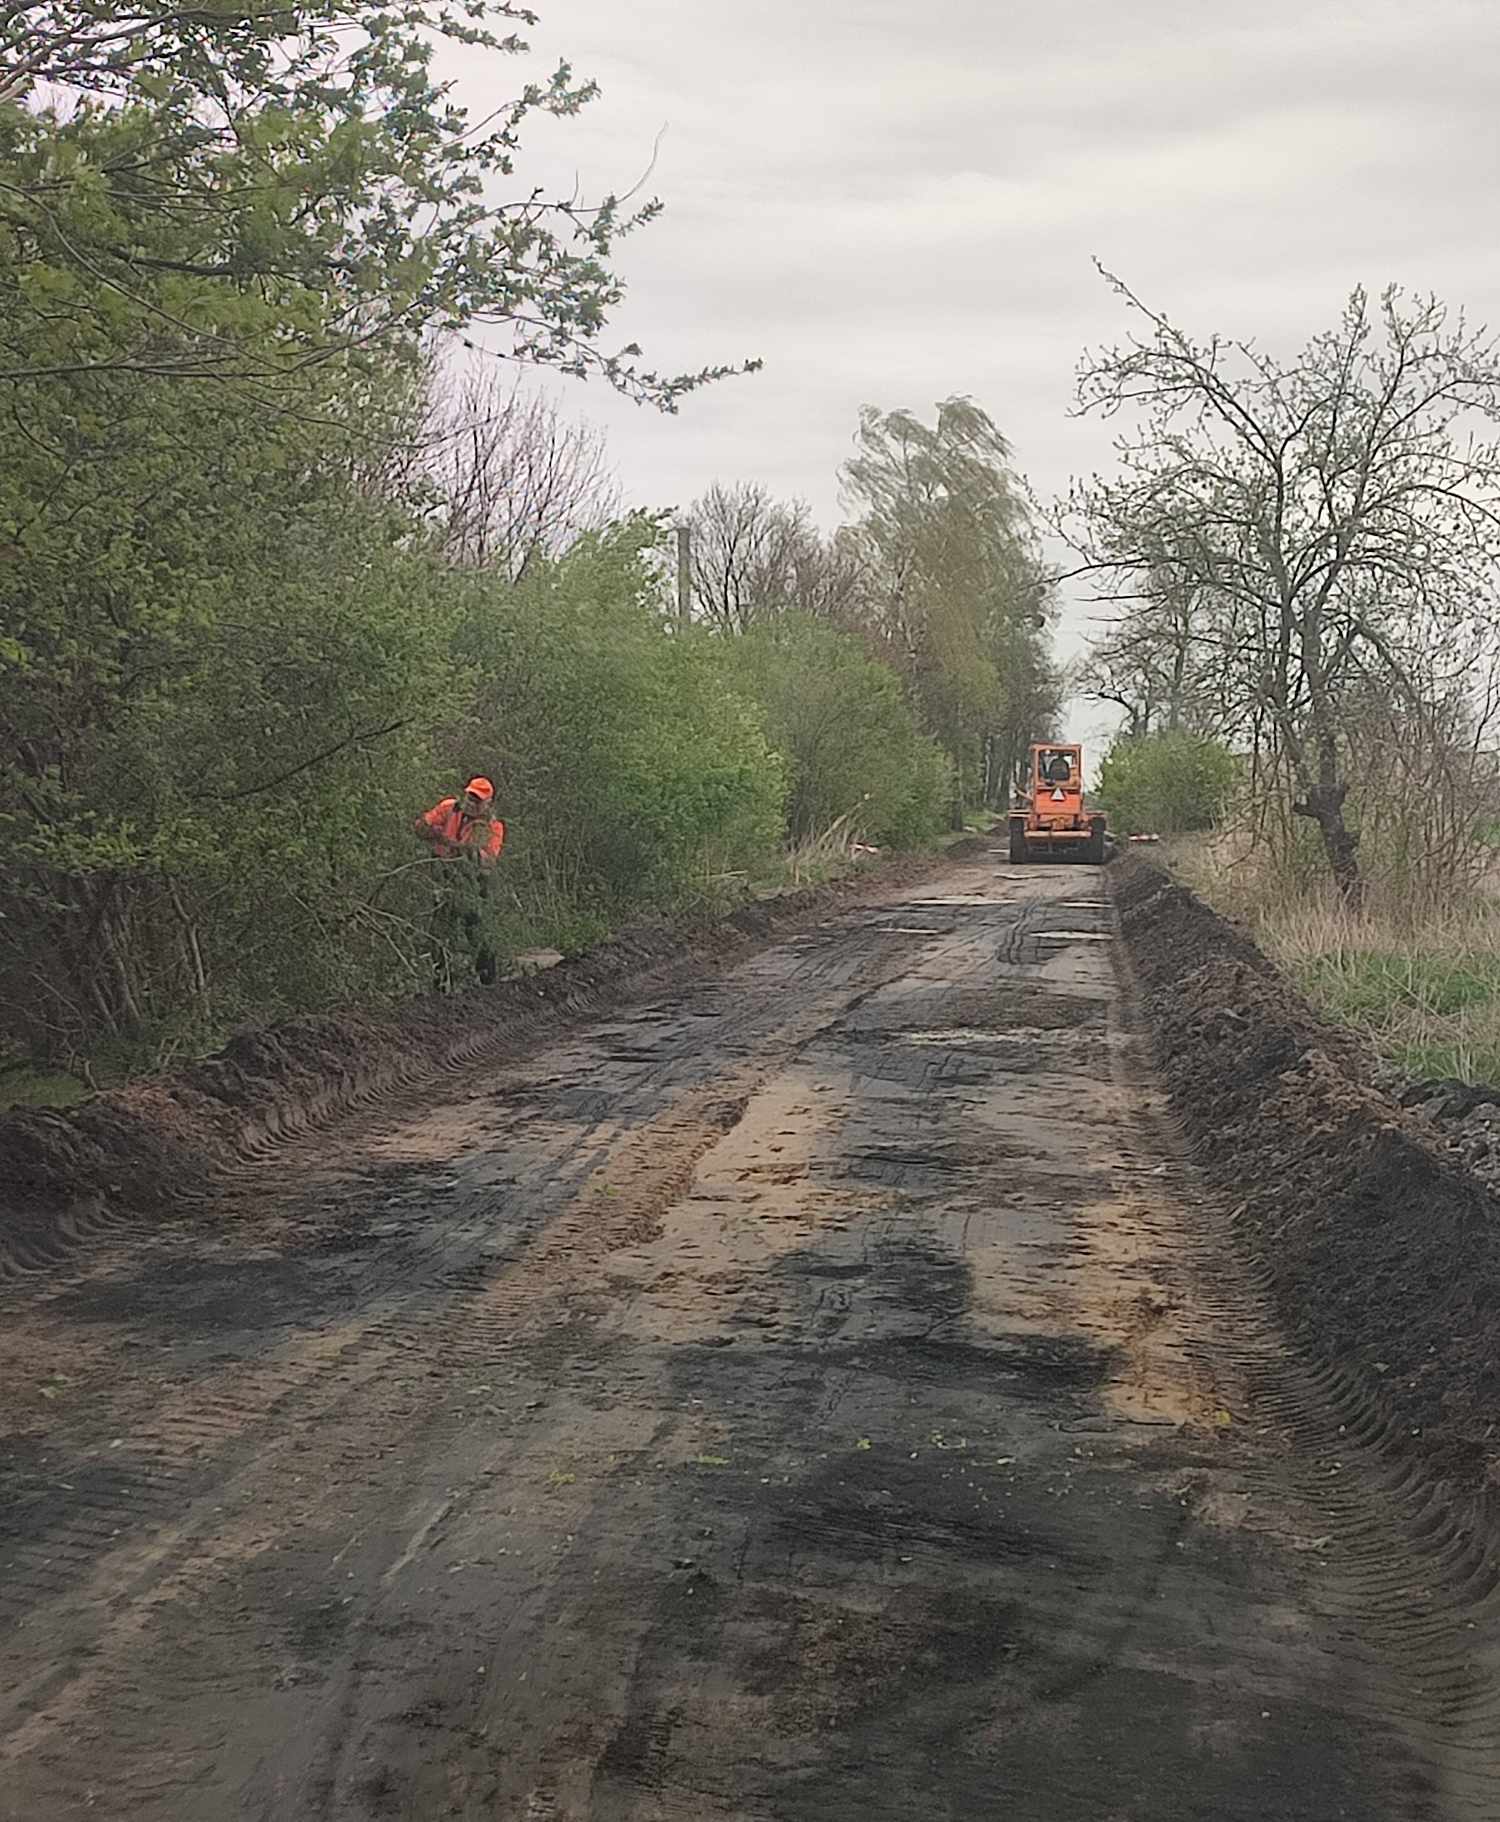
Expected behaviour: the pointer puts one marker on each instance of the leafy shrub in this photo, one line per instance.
(630, 766)
(850, 741)
(1166, 784)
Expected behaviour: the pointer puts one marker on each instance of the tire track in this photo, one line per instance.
(1409, 1575)
(288, 1103)
(741, 1434)
(404, 1289)
(421, 1309)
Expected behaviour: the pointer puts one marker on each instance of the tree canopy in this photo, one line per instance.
(956, 595)
(224, 195)
(937, 573)
(282, 562)
(1297, 539)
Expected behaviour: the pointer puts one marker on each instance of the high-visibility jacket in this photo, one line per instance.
(457, 832)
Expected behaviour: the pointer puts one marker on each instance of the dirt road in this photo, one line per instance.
(824, 1392)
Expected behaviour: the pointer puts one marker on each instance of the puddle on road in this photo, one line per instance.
(1074, 936)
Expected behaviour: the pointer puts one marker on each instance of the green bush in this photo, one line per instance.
(226, 660)
(850, 741)
(1165, 784)
(630, 767)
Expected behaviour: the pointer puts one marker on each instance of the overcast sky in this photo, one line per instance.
(889, 203)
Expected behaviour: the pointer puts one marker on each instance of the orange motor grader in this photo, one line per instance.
(1048, 819)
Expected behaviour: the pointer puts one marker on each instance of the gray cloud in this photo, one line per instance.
(892, 203)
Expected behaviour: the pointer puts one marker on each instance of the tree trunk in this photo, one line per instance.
(1324, 804)
(1179, 680)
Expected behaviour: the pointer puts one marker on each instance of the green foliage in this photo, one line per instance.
(1371, 983)
(852, 746)
(235, 663)
(240, 655)
(1165, 784)
(234, 196)
(632, 769)
(221, 685)
(21, 1086)
(956, 599)
(1435, 1015)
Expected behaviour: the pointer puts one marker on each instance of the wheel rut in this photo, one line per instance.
(825, 1390)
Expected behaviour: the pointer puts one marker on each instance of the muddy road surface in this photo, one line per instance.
(823, 1392)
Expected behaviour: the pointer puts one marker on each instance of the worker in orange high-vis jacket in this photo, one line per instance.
(467, 837)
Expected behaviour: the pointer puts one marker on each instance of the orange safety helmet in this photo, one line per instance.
(480, 788)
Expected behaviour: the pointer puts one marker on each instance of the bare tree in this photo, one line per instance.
(834, 581)
(1157, 662)
(516, 479)
(753, 556)
(756, 558)
(1434, 784)
(1333, 523)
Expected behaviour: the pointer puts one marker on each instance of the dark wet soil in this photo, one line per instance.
(137, 1153)
(1383, 1251)
(821, 1387)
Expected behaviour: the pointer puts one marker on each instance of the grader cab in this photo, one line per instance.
(1048, 818)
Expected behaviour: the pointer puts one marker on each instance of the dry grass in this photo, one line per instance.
(1421, 979)
(824, 855)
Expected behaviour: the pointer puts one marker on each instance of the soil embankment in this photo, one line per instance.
(1381, 1250)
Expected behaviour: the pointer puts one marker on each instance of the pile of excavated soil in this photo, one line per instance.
(1466, 1113)
(142, 1149)
(1380, 1249)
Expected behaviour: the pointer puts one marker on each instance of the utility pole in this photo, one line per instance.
(684, 575)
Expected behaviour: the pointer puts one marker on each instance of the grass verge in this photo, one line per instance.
(1420, 981)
